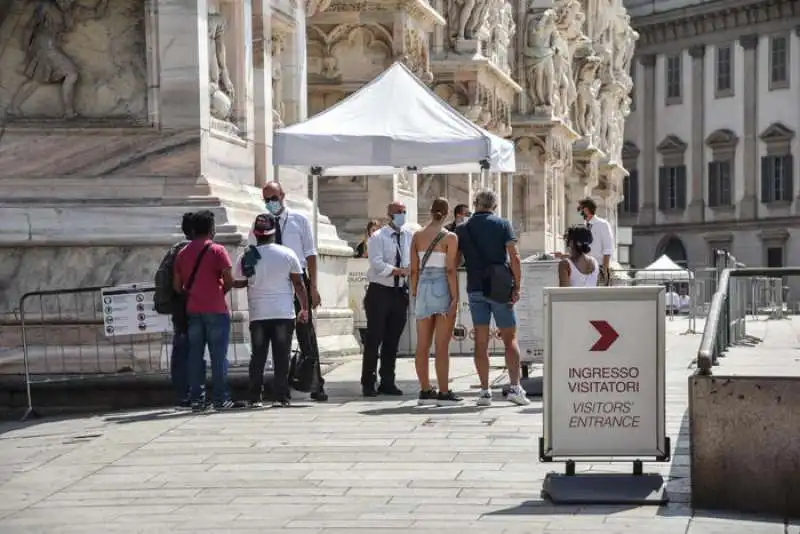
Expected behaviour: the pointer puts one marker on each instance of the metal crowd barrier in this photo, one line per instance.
(63, 340)
(739, 291)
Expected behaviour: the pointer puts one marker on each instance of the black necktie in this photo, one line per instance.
(397, 260)
(279, 233)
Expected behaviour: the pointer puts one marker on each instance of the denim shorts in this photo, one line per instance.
(482, 310)
(433, 293)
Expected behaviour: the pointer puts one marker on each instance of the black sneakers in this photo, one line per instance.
(427, 397)
(448, 398)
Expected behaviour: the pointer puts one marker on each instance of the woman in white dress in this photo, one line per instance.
(578, 269)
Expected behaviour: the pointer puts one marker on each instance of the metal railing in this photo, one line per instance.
(726, 324)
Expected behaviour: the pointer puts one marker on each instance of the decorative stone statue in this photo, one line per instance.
(220, 86)
(465, 18)
(565, 84)
(45, 60)
(277, 44)
(502, 31)
(539, 63)
(586, 100)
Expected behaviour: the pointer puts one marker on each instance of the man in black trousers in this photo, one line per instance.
(386, 302)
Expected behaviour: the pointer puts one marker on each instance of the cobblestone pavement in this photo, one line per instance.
(344, 467)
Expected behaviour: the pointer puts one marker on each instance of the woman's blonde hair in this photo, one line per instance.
(440, 208)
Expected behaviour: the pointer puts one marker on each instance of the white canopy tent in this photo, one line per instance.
(664, 269)
(392, 124)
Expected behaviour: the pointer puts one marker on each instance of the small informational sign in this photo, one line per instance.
(536, 275)
(128, 311)
(604, 386)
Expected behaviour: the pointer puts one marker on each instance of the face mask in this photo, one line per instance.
(583, 214)
(273, 206)
(399, 219)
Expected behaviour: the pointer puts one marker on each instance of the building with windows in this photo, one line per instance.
(712, 135)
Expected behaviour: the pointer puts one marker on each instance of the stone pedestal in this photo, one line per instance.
(165, 124)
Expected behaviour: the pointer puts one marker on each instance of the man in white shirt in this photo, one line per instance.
(602, 239)
(386, 302)
(272, 276)
(294, 231)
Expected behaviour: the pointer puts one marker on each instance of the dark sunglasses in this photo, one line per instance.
(274, 198)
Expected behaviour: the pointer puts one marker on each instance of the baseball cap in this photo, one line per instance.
(265, 224)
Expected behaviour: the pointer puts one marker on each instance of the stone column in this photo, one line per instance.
(647, 215)
(697, 206)
(749, 202)
(262, 91)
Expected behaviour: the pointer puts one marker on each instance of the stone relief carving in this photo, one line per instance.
(278, 43)
(502, 31)
(350, 51)
(45, 61)
(314, 7)
(220, 86)
(586, 109)
(539, 61)
(565, 84)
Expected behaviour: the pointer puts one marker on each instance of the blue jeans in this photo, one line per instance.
(482, 310)
(212, 330)
(179, 366)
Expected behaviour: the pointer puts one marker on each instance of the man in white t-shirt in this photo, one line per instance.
(272, 275)
(602, 239)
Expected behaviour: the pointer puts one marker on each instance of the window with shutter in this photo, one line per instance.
(634, 188)
(680, 186)
(725, 183)
(662, 188)
(788, 178)
(713, 184)
(766, 180)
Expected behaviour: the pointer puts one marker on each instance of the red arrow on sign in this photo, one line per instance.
(607, 336)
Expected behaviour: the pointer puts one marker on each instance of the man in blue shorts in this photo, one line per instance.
(487, 240)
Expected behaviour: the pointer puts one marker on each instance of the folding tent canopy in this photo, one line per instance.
(392, 124)
(664, 269)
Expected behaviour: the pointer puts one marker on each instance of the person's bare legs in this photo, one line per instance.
(509, 338)
(443, 329)
(425, 328)
(482, 354)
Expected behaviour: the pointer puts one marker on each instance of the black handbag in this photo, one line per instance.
(301, 372)
(497, 279)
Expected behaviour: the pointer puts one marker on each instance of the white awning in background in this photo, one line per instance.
(664, 269)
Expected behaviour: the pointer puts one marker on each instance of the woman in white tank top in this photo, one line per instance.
(578, 269)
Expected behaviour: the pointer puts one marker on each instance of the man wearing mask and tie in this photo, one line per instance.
(294, 231)
(386, 302)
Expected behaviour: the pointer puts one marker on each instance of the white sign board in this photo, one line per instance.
(604, 373)
(128, 311)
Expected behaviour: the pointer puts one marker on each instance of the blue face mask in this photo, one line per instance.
(273, 206)
(399, 219)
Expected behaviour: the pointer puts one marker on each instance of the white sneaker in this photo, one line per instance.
(518, 396)
(485, 398)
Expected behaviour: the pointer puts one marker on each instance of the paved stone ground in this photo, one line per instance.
(345, 467)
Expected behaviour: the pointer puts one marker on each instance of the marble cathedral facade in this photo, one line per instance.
(553, 75)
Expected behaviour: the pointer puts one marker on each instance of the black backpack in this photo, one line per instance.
(165, 300)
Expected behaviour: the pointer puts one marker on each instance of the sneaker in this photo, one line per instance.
(285, 403)
(427, 397)
(319, 396)
(198, 407)
(485, 398)
(255, 404)
(448, 399)
(518, 396)
(390, 389)
(184, 405)
(224, 405)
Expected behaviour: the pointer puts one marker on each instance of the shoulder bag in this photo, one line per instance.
(180, 318)
(497, 280)
(429, 251)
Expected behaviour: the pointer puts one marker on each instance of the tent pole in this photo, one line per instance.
(315, 173)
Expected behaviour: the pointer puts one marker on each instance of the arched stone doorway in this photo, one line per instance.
(673, 247)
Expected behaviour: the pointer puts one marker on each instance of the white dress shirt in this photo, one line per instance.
(382, 248)
(602, 238)
(296, 234)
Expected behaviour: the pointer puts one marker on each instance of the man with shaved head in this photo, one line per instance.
(294, 231)
(386, 302)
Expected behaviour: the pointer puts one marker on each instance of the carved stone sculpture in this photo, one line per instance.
(539, 62)
(45, 60)
(586, 101)
(565, 84)
(503, 30)
(278, 43)
(465, 18)
(220, 86)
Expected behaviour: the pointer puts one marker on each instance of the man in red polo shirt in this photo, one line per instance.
(203, 275)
